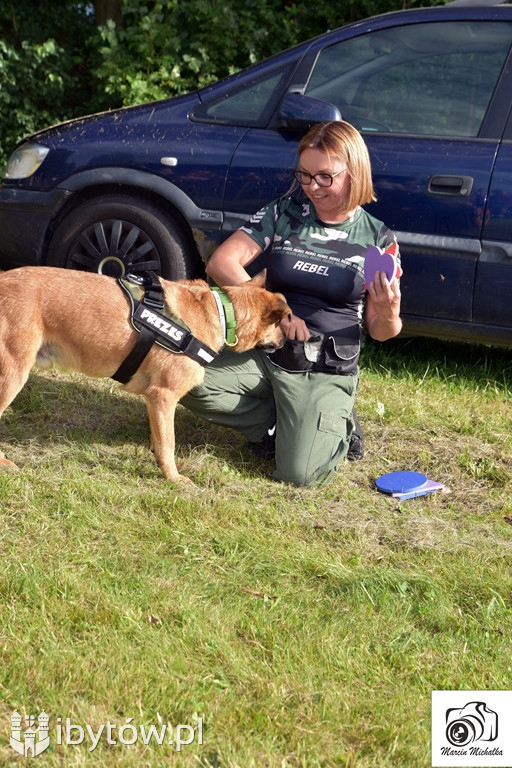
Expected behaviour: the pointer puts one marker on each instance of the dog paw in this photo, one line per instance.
(184, 479)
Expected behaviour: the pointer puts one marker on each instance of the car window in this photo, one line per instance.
(250, 104)
(434, 78)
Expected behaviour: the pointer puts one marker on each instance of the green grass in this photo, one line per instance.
(306, 627)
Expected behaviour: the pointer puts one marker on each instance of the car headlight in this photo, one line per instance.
(25, 161)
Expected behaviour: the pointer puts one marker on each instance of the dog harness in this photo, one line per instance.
(150, 318)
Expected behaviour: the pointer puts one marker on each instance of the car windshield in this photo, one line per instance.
(432, 78)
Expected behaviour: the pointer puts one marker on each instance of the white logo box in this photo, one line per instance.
(472, 729)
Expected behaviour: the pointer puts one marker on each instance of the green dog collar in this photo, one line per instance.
(227, 316)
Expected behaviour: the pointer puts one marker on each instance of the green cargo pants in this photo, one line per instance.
(311, 411)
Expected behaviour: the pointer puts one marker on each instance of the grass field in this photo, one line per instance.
(280, 627)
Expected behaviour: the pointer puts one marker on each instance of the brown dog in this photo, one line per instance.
(81, 321)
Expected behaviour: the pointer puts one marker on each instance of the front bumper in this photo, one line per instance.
(25, 216)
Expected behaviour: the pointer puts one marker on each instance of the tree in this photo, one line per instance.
(108, 10)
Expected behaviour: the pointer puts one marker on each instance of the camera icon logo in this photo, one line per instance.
(473, 722)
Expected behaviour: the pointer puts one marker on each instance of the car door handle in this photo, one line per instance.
(450, 186)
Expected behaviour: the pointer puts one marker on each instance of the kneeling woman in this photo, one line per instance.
(316, 243)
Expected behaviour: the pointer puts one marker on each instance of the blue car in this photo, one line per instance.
(160, 185)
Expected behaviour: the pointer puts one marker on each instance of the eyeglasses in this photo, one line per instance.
(322, 179)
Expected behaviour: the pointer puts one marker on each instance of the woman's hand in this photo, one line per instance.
(383, 308)
(295, 328)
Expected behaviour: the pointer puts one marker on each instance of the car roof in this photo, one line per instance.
(477, 3)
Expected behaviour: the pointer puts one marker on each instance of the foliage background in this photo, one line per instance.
(61, 58)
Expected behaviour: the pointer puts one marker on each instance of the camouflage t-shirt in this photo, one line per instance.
(319, 269)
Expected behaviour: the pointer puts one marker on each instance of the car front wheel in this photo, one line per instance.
(119, 234)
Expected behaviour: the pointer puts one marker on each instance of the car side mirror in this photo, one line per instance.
(300, 112)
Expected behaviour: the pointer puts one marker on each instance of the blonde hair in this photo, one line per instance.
(341, 140)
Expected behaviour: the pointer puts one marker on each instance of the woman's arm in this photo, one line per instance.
(228, 262)
(383, 308)
(227, 267)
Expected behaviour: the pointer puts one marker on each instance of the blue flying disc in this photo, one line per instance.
(401, 482)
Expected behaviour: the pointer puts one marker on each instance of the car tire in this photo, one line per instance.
(116, 234)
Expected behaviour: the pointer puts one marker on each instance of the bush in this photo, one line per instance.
(46, 54)
(173, 48)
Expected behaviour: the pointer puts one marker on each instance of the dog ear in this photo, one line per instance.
(279, 311)
(259, 279)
